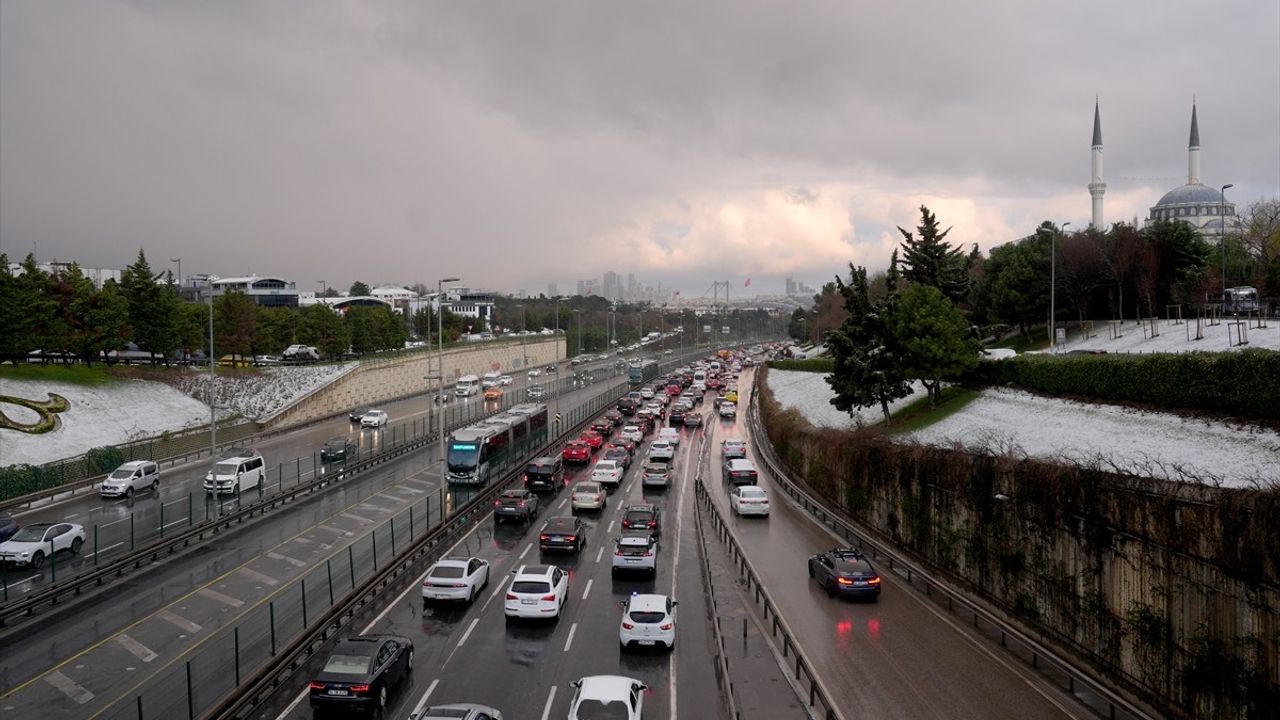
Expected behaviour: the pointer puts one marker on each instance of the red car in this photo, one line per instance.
(592, 438)
(673, 390)
(576, 451)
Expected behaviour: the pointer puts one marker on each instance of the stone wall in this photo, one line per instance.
(380, 381)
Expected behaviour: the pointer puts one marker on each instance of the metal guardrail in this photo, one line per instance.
(1039, 656)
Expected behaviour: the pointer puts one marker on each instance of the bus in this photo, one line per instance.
(480, 452)
(641, 371)
(467, 385)
(1240, 299)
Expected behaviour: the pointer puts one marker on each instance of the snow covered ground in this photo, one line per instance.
(1175, 338)
(124, 410)
(1145, 443)
(811, 395)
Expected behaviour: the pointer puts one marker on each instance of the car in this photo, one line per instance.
(749, 500)
(692, 419)
(614, 417)
(675, 416)
(616, 697)
(32, 544)
(633, 432)
(238, 469)
(674, 389)
(662, 450)
(731, 448)
(536, 591)
(587, 496)
(544, 474)
(517, 504)
(617, 454)
(576, 451)
(671, 435)
(458, 711)
(646, 394)
(739, 471)
(607, 472)
(8, 526)
(374, 418)
(845, 572)
(360, 673)
(602, 425)
(337, 449)
(505, 380)
(562, 533)
(643, 518)
(626, 442)
(636, 552)
(648, 620)
(627, 406)
(358, 413)
(131, 477)
(728, 410)
(655, 475)
(493, 393)
(534, 392)
(732, 395)
(535, 373)
(592, 438)
(550, 369)
(455, 579)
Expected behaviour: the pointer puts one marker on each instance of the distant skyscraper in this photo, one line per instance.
(582, 288)
(633, 286)
(791, 286)
(552, 290)
(611, 287)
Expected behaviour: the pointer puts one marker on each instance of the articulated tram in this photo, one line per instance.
(480, 452)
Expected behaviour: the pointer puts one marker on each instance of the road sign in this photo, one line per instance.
(724, 330)
(557, 418)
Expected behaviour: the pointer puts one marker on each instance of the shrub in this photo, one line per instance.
(818, 365)
(104, 459)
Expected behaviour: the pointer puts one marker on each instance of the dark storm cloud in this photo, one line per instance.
(522, 143)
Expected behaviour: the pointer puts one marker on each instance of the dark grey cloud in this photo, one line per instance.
(526, 143)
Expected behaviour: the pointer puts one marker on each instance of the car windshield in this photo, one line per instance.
(226, 468)
(31, 533)
(121, 474)
(602, 710)
(531, 587)
(639, 516)
(347, 665)
(647, 616)
(447, 571)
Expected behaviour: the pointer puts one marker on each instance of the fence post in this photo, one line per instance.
(130, 531)
(95, 550)
(139, 697)
(393, 537)
(374, 535)
(304, 604)
(191, 701)
(271, 608)
(237, 649)
(53, 564)
(410, 523)
(428, 512)
(162, 519)
(328, 568)
(351, 563)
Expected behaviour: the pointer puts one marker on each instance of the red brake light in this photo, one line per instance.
(359, 688)
(874, 581)
(316, 685)
(618, 553)
(625, 626)
(521, 503)
(844, 581)
(549, 598)
(544, 538)
(512, 596)
(653, 524)
(665, 626)
(573, 538)
(497, 503)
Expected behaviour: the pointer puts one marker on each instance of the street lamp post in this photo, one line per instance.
(577, 320)
(1223, 241)
(179, 261)
(1053, 282)
(440, 368)
(213, 420)
(324, 288)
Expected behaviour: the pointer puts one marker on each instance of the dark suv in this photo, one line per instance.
(338, 449)
(544, 474)
(645, 518)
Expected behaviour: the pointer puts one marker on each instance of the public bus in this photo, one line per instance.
(641, 371)
(481, 452)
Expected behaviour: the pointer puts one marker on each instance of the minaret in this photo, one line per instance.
(1193, 150)
(1096, 186)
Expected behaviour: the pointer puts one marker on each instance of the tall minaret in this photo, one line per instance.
(1096, 186)
(1193, 150)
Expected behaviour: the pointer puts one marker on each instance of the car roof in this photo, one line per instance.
(560, 521)
(647, 601)
(750, 490)
(608, 464)
(642, 540)
(452, 562)
(452, 711)
(741, 463)
(605, 687)
(536, 571)
(587, 485)
(515, 492)
(134, 464)
(543, 461)
(642, 507)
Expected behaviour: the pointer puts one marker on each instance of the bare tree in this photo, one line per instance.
(1080, 270)
(1119, 250)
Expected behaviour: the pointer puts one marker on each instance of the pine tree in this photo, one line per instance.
(934, 337)
(930, 260)
(867, 368)
(153, 310)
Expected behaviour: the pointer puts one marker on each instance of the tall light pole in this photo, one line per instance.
(1053, 280)
(1223, 243)
(179, 261)
(577, 320)
(213, 420)
(324, 288)
(440, 369)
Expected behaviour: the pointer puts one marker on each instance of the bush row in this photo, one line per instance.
(818, 365)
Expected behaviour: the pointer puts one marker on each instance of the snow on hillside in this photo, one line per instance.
(1175, 338)
(1145, 443)
(258, 395)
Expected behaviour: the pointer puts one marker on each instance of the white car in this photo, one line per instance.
(671, 435)
(374, 418)
(607, 696)
(646, 394)
(635, 553)
(455, 579)
(749, 500)
(34, 543)
(607, 472)
(633, 433)
(537, 591)
(648, 620)
(535, 373)
(732, 448)
(728, 410)
(662, 450)
(505, 380)
(588, 496)
(131, 477)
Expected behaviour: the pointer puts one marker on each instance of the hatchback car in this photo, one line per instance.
(728, 410)
(131, 477)
(662, 450)
(338, 449)
(635, 553)
(648, 620)
(603, 425)
(374, 418)
(618, 454)
(607, 696)
(607, 472)
(592, 438)
(845, 572)
(588, 496)
(576, 451)
(693, 419)
(361, 671)
(516, 504)
(562, 534)
(671, 435)
(32, 544)
(633, 433)
(655, 475)
(749, 500)
(455, 579)
(645, 518)
(536, 591)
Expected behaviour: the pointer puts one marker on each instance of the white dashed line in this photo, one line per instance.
(257, 577)
(546, 709)
(77, 693)
(292, 561)
(179, 621)
(587, 592)
(599, 554)
(425, 696)
(569, 641)
(467, 634)
(524, 552)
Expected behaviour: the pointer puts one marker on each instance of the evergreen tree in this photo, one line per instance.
(867, 368)
(358, 289)
(105, 319)
(235, 323)
(34, 310)
(324, 329)
(13, 320)
(934, 337)
(1015, 283)
(153, 309)
(930, 260)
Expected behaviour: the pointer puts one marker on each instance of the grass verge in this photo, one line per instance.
(919, 414)
(72, 374)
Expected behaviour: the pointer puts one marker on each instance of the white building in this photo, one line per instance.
(97, 276)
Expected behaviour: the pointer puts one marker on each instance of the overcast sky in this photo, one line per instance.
(523, 143)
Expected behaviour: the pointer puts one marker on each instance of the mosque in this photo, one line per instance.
(1202, 206)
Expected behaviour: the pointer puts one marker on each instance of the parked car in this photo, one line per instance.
(131, 477)
(374, 418)
(536, 591)
(360, 673)
(588, 496)
(518, 504)
(635, 553)
(648, 620)
(32, 544)
(607, 696)
(562, 533)
(749, 500)
(544, 474)
(338, 449)
(845, 572)
(455, 579)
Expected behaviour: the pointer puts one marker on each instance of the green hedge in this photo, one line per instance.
(818, 365)
(1245, 383)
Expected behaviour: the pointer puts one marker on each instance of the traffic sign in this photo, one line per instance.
(557, 418)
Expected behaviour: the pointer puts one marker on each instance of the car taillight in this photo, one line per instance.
(653, 524)
(521, 503)
(666, 626)
(497, 503)
(625, 626)
(549, 598)
(315, 685)
(874, 581)
(844, 581)
(543, 538)
(648, 553)
(573, 538)
(359, 688)
(459, 585)
(512, 596)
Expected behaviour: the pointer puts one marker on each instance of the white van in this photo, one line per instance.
(467, 386)
(491, 379)
(239, 469)
(131, 477)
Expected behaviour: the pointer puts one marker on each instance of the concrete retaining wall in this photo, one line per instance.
(380, 381)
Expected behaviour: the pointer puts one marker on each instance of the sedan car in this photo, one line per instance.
(360, 673)
(733, 448)
(845, 572)
(749, 500)
(692, 419)
(603, 425)
(33, 544)
(338, 449)
(358, 413)
(655, 475)
(648, 620)
(374, 418)
(536, 591)
(607, 696)
(493, 393)
(592, 438)
(535, 373)
(516, 504)
(617, 454)
(587, 496)
(607, 472)
(635, 553)
(458, 711)
(455, 579)
(576, 451)
(728, 410)
(534, 392)
(564, 533)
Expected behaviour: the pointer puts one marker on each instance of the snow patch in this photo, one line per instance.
(1173, 338)
(809, 393)
(261, 394)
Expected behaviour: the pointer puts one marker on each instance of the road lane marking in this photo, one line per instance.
(467, 634)
(587, 592)
(177, 522)
(20, 582)
(179, 621)
(524, 552)
(219, 597)
(71, 689)
(340, 531)
(609, 531)
(292, 561)
(569, 641)
(256, 576)
(358, 518)
(422, 703)
(546, 709)
(140, 651)
(599, 554)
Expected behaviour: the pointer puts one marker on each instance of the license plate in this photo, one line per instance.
(528, 602)
(860, 582)
(339, 692)
(646, 642)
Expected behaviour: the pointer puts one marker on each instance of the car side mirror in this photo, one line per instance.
(576, 684)
(675, 603)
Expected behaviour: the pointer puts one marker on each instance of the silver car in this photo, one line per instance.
(458, 711)
(131, 477)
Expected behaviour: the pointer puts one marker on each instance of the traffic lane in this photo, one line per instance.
(897, 657)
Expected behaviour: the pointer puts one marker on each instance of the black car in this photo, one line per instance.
(518, 504)
(361, 671)
(615, 417)
(562, 533)
(627, 406)
(338, 449)
(604, 426)
(676, 416)
(358, 413)
(8, 526)
(544, 474)
(845, 572)
(646, 518)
